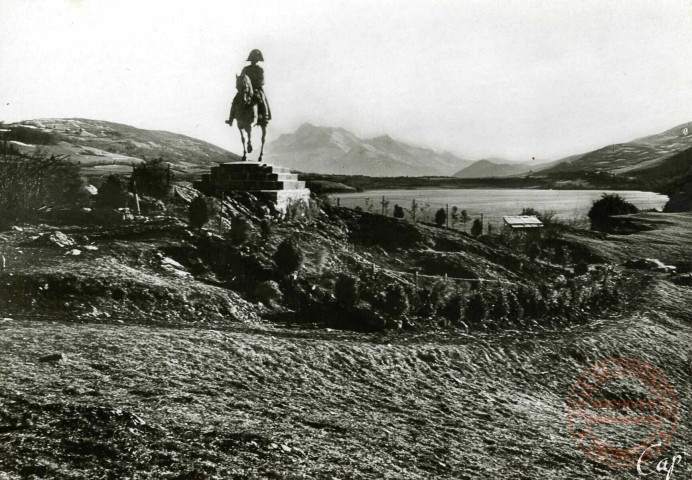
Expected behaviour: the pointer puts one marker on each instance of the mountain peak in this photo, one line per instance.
(334, 150)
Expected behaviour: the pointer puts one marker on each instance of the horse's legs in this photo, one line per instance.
(264, 135)
(242, 139)
(249, 138)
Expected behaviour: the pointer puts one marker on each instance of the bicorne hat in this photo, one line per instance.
(255, 56)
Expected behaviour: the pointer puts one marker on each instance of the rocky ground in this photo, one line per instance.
(136, 358)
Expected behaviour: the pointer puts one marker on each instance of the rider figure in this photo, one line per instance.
(256, 75)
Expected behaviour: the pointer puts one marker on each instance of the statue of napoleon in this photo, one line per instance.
(250, 106)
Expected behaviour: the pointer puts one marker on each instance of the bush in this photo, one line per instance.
(440, 217)
(31, 181)
(477, 308)
(288, 257)
(152, 178)
(395, 302)
(347, 290)
(516, 311)
(241, 231)
(477, 228)
(533, 251)
(112, 193)
(607, 206)
(198, 212)
(398, 211)
(266, 228)
(581, 268)
(453, 310)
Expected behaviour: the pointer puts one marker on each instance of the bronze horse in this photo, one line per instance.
(244, 111)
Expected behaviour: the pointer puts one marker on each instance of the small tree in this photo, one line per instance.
(581, 268)
(476, 228)
(398, 211)
(464, 218)
(414, 209)
(112, 193)
(240, 230)
(533, 251)
(385, 206)
(288, 257)
(476, 308)
(454, 216)
(396, 301)
(198, 212)
(347, 290)
(440, 217)
(607, 206)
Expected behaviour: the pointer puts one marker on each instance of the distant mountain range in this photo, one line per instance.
(104, 147)
(331, 150)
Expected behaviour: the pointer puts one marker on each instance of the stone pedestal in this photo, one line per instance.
(274, 183)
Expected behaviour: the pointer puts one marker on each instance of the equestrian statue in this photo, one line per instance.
(250, 106)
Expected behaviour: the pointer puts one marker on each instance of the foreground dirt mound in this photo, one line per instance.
(207, 403)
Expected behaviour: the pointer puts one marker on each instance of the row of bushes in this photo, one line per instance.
(487, 307)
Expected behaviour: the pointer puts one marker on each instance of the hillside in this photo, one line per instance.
(153, 354)
(105, 147)
(628, 158)
(487, 169)
(328, 150)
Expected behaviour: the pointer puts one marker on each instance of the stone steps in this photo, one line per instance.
(274, 183)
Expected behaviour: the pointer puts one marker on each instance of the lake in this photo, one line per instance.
(496, 203)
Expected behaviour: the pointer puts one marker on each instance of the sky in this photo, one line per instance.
(507, 79)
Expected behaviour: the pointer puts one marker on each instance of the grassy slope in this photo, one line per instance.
(207, 396)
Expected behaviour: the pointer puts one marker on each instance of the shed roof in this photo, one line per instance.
(523, 221)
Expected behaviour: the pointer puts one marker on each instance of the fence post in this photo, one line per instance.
(221, 215)
(134, 186)
(4, 264)
(447, 216)
(382, 204)
(481, 223)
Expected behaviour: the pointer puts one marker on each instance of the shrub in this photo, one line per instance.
(607, 206)
(152, 178)
(241, 230)
(112, 193)
(347, 290)
(581, 268)
(28, 182)
(477, 308)
(440, 217)
(561, 254)
(516, 311)
(288, 257)
(414, 209)
(398, 211)
(500, 310)
(453, 310)
(533, 251)
(266, 228)
(198, 212)
(395, 301)
(477, 228)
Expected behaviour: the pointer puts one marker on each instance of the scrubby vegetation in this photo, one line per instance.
(198, 212)
(610, 204)
(33, 183)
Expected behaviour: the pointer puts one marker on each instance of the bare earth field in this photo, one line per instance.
(246, 398)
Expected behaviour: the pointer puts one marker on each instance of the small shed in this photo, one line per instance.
(529, 225)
